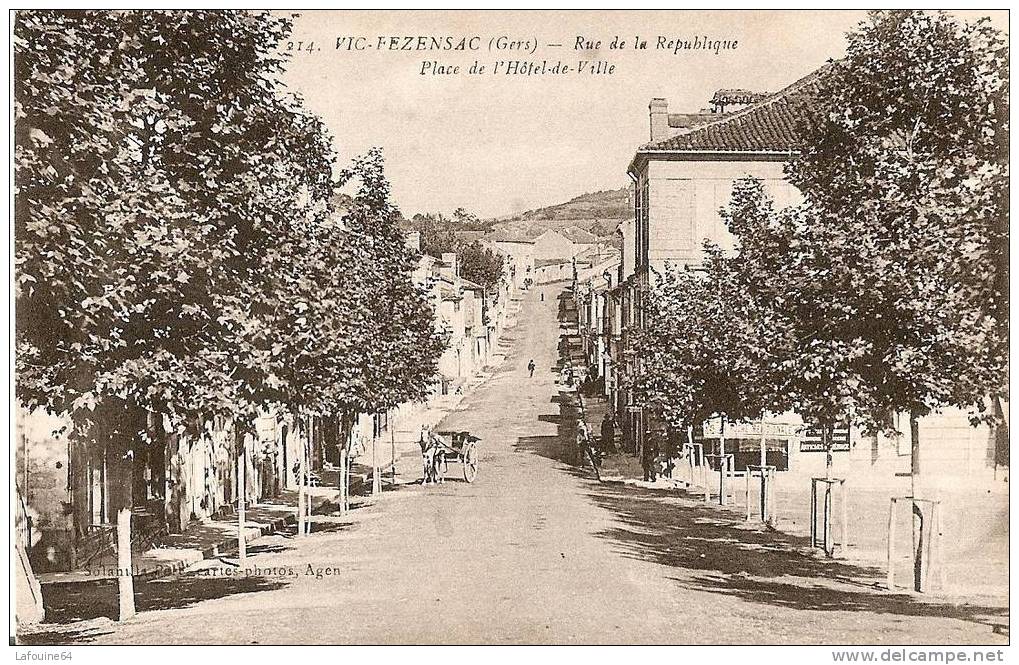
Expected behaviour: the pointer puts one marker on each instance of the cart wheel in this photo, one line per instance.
(470, 462)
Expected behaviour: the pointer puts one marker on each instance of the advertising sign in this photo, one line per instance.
(811, 441)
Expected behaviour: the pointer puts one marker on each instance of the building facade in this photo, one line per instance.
(680, 180)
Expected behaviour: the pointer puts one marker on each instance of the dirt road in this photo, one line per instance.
(536, 552)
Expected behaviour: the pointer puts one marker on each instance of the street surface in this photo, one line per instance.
(536, 551)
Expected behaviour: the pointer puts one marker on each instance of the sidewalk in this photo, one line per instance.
(88, 593)
(203, 540)
(974, 526)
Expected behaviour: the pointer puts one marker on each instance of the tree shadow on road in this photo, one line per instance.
(550, 447)
(59, 637)
(81, 602)
(819, 597)
(714, 550)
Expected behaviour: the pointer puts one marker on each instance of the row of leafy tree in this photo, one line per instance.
(441, 234)
(182, 247)
(886, 289)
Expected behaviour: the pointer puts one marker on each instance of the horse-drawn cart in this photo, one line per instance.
(451, 446)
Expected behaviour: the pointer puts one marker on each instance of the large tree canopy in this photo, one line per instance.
(885, 289)
(905, 221)
(706, 347)
(178, 245)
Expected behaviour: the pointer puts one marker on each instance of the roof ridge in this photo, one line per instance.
(753, 108)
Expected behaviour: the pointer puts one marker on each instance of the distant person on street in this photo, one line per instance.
(649, 458)
(542, 296)
(530, 367)
(608, 434)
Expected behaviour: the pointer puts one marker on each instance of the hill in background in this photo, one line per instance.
(596, 212)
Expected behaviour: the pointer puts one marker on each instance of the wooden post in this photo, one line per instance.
(891, 546)
(845, 518)
(242, 546)
(928, 537)
(747, 493)
(829, 546)
(813, 512)
(939, 560)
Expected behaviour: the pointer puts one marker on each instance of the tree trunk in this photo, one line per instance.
(826, 442)
(307, 497)
(764, 480)
(392, 451)
(344, 478)
(764, 444)
(721, 464)
(347, 425)
(376, 479)
(917, 509)
(301, 432)
(340, 444)
(242, 546)
(122, 424)
(123, 497)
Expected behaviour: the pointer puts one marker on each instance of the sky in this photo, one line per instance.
(497, 144)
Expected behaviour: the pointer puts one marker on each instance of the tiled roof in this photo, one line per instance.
(471, 286)
(541, 263)
(579, 235)
(508, 236)
(772, 125)
(688, 120)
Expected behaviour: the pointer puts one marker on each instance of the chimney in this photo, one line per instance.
(413, 241)
(449, 266)
(659, 114)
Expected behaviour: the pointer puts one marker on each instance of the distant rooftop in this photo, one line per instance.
(508, 236)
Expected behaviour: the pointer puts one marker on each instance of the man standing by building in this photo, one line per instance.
(649, 456)
(608, 434)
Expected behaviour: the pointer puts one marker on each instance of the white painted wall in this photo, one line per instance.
(684, 202)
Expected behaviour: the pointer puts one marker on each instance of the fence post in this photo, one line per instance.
(891, 545)
(748, 494)
(813, 512)
(845, 519)
(829, 546)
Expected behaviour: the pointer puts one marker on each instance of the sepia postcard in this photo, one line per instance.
(511, 327)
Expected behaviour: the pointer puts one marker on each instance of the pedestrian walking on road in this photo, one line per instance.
(530, 367)
(542, 296)
(585, 448)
